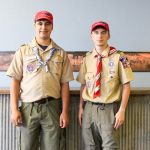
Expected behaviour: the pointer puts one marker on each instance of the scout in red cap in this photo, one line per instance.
(105, 76)
(41, 82)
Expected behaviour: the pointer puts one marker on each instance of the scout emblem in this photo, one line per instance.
(124, 61)
(30, 67)
(111, 66)
(43, 63)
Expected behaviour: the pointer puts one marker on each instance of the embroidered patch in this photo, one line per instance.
(30, 67)
(88, 84)
(111, 65)
(124, 61)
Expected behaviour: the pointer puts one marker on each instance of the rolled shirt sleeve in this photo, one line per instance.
(82, 72)
(15, 69)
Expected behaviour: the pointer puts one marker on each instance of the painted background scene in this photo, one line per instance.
(139, 61)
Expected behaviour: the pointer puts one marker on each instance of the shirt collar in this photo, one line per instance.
(105, 52)
(35, 44)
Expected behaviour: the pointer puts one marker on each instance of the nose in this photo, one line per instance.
(100, 35)
(43, 26)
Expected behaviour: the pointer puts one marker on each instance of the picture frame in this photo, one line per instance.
(139, 61)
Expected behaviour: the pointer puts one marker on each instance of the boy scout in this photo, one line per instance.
(40, 74)
(104, 74)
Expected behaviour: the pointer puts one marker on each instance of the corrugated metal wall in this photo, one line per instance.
(8, 140)
(134, 135)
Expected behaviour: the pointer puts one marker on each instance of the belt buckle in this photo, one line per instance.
(102, 106)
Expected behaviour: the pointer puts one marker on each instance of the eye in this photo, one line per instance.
(47, 23)
(39, 23)
(104, 32)
(96, 32)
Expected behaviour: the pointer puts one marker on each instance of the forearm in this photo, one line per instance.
(125, 96)
(81, 99)
(14, 94)
(65, 93)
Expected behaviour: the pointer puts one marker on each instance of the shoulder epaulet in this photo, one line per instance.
(88, 53)
(112, 50)
(23, 45)
(120, 52)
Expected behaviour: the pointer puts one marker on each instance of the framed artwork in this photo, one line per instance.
(5, 59)
(139, 61)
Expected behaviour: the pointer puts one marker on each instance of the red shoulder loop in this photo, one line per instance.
(112, 50)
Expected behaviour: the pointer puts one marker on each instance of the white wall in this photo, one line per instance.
(129, 24)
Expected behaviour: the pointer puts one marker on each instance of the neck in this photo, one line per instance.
(43, 42)
(99, 49)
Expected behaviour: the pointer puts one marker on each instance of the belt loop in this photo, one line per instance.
(31, 109)
(47, 101)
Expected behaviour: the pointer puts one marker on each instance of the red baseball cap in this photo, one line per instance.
(100, 24)
(44, 15)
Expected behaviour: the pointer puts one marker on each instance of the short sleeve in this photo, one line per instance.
(67, 73)
(82, 72)
(125, 71)
(15, 69)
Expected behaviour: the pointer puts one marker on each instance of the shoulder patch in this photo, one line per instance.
(124, 60)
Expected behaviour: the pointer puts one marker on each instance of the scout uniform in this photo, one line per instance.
(99, 112)
(41, 73)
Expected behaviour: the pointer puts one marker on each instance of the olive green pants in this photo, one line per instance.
(40, 126)
(97, 127)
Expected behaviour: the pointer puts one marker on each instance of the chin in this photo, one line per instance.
(45, 37)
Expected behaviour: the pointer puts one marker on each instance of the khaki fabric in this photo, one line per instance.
(113, 75)
(41, 126)
(36, 83)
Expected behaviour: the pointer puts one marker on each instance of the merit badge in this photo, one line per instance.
(111, 63)
(111, 66)
(30, 67)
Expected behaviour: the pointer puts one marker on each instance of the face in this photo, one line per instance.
(100, 37)
(43, 29)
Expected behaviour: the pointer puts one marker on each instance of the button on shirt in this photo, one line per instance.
(36, 83)
(113, 75)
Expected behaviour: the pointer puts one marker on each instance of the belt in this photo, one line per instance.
(102, 105)
(43, 100)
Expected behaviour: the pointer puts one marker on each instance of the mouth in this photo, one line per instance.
(43, 31)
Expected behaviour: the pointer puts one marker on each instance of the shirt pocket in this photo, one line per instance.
(113, 82)
(30, 64)
(56, 65)
(90, 82)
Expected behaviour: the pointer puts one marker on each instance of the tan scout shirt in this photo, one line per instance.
(36, 83)
(114, 73)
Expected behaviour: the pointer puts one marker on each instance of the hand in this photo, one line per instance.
(64, 120)
(80, 115)
(119, 118)
(16, 118)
